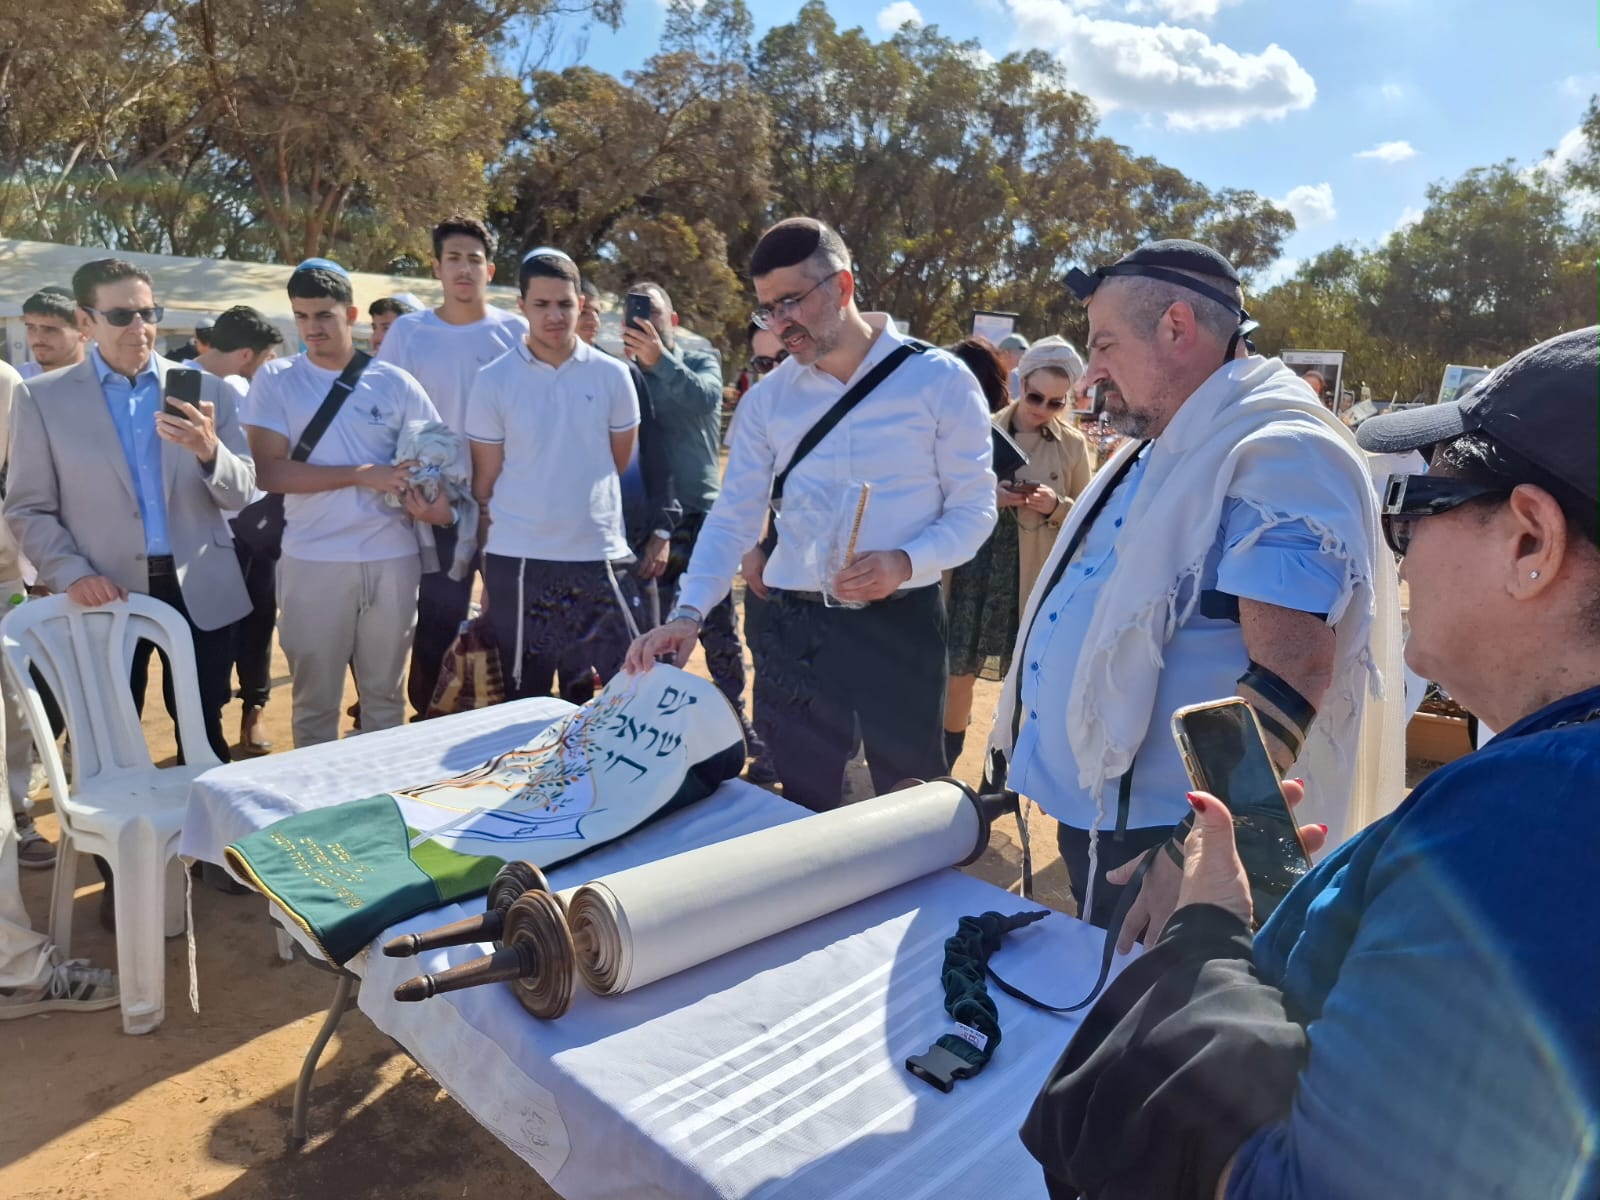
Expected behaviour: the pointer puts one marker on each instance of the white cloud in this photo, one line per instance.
(1179, 10)
(902, 12)
(1409, 216)
(1390, 152)
(1567, 151)
(1392, 92)
(1310, 203)
(1181, 74)
(1579, 87)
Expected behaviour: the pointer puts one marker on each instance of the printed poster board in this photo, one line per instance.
(1323, 371)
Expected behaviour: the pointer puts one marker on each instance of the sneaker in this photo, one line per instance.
(73, 986)
(34, 851)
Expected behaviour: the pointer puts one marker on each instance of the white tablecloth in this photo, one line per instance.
(774, 1071)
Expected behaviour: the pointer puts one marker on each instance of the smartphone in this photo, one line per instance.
(1224, 754)
(181, 385)
(636, 307)
(1025, 486)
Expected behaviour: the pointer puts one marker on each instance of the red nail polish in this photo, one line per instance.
(1301, 782)
(1197, 802)
(1324, 828)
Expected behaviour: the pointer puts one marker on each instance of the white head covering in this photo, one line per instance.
(1054, 352)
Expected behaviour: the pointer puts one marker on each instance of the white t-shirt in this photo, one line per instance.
(558, 497)
(445, 358)
(350, 524)
(240, 387)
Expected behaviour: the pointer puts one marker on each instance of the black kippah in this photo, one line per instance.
(786, 244)
(1180, 254)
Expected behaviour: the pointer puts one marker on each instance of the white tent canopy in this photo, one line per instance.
(192, 288)
(189, 288)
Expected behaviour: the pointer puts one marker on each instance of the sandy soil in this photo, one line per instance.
(201, 1107)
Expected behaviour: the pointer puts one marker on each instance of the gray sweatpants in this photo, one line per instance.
(337, 615)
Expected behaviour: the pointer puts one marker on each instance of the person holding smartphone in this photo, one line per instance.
(115, 488)
(1230, 548)
(987, 593)
(1417, 1017)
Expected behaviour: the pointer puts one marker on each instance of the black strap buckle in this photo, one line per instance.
(940, 1067)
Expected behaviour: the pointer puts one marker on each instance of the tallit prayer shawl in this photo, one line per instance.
(1353, 760)
(645, 746)
(443, 463)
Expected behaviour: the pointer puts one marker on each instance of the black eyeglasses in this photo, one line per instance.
(1037, 400)
(779, 310)
(123, 317)
(1408, 497)
(767, 362)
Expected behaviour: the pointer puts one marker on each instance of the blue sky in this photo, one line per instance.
(1344, 109)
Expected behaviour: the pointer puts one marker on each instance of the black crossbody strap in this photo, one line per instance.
(841, 409)
(337, 394)
(825, 425)
(1078, 534)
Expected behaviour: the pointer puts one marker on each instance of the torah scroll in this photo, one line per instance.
(636, 926)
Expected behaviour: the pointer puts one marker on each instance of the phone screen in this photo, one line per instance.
(182, 385)
(1226, 757)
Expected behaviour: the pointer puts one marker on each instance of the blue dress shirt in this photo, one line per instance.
(1285, 565)
(133, 411)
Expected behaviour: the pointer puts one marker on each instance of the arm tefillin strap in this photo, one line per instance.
(1284, 713)
(966, 959)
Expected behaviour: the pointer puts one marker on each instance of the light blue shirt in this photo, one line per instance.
(1203, 661)
(133, 411)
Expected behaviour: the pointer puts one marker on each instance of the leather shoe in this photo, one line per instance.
(253, 743)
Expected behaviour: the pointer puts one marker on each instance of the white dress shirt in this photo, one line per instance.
(920, 438)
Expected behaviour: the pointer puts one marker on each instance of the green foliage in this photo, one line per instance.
(278, 129)
(1500, 259)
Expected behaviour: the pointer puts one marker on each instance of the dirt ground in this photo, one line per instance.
(200, 1108)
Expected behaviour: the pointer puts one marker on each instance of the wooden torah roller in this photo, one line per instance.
(510, 883)
(536, 957)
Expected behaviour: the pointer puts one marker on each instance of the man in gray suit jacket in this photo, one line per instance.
(108, 494)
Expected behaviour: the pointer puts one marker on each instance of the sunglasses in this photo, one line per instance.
(123, 317)
(1035, 399)
(1406, 498)
(767, 362)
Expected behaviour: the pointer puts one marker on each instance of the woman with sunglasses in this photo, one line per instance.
(986, 594)
(1418, 1017)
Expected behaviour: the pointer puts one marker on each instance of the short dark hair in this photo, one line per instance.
(1479, 458)
(389, 306)
(319, 283)
(590, 292)
(800, 240)
(457, 225)
(547, 266)
(242, 328)
(656, 292)
(103, 270)
(981, 358)
(55, 302)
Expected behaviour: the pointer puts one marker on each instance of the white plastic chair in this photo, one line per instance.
(118, 805)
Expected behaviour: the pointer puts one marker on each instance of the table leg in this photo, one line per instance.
(302, 1087)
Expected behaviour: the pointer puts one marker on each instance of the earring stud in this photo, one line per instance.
(1533, 574)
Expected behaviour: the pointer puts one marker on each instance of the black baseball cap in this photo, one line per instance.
(1543, 405)
(1167, 260)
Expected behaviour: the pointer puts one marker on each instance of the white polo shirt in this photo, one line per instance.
(558, 497)
(350, 524)
(446, 358)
